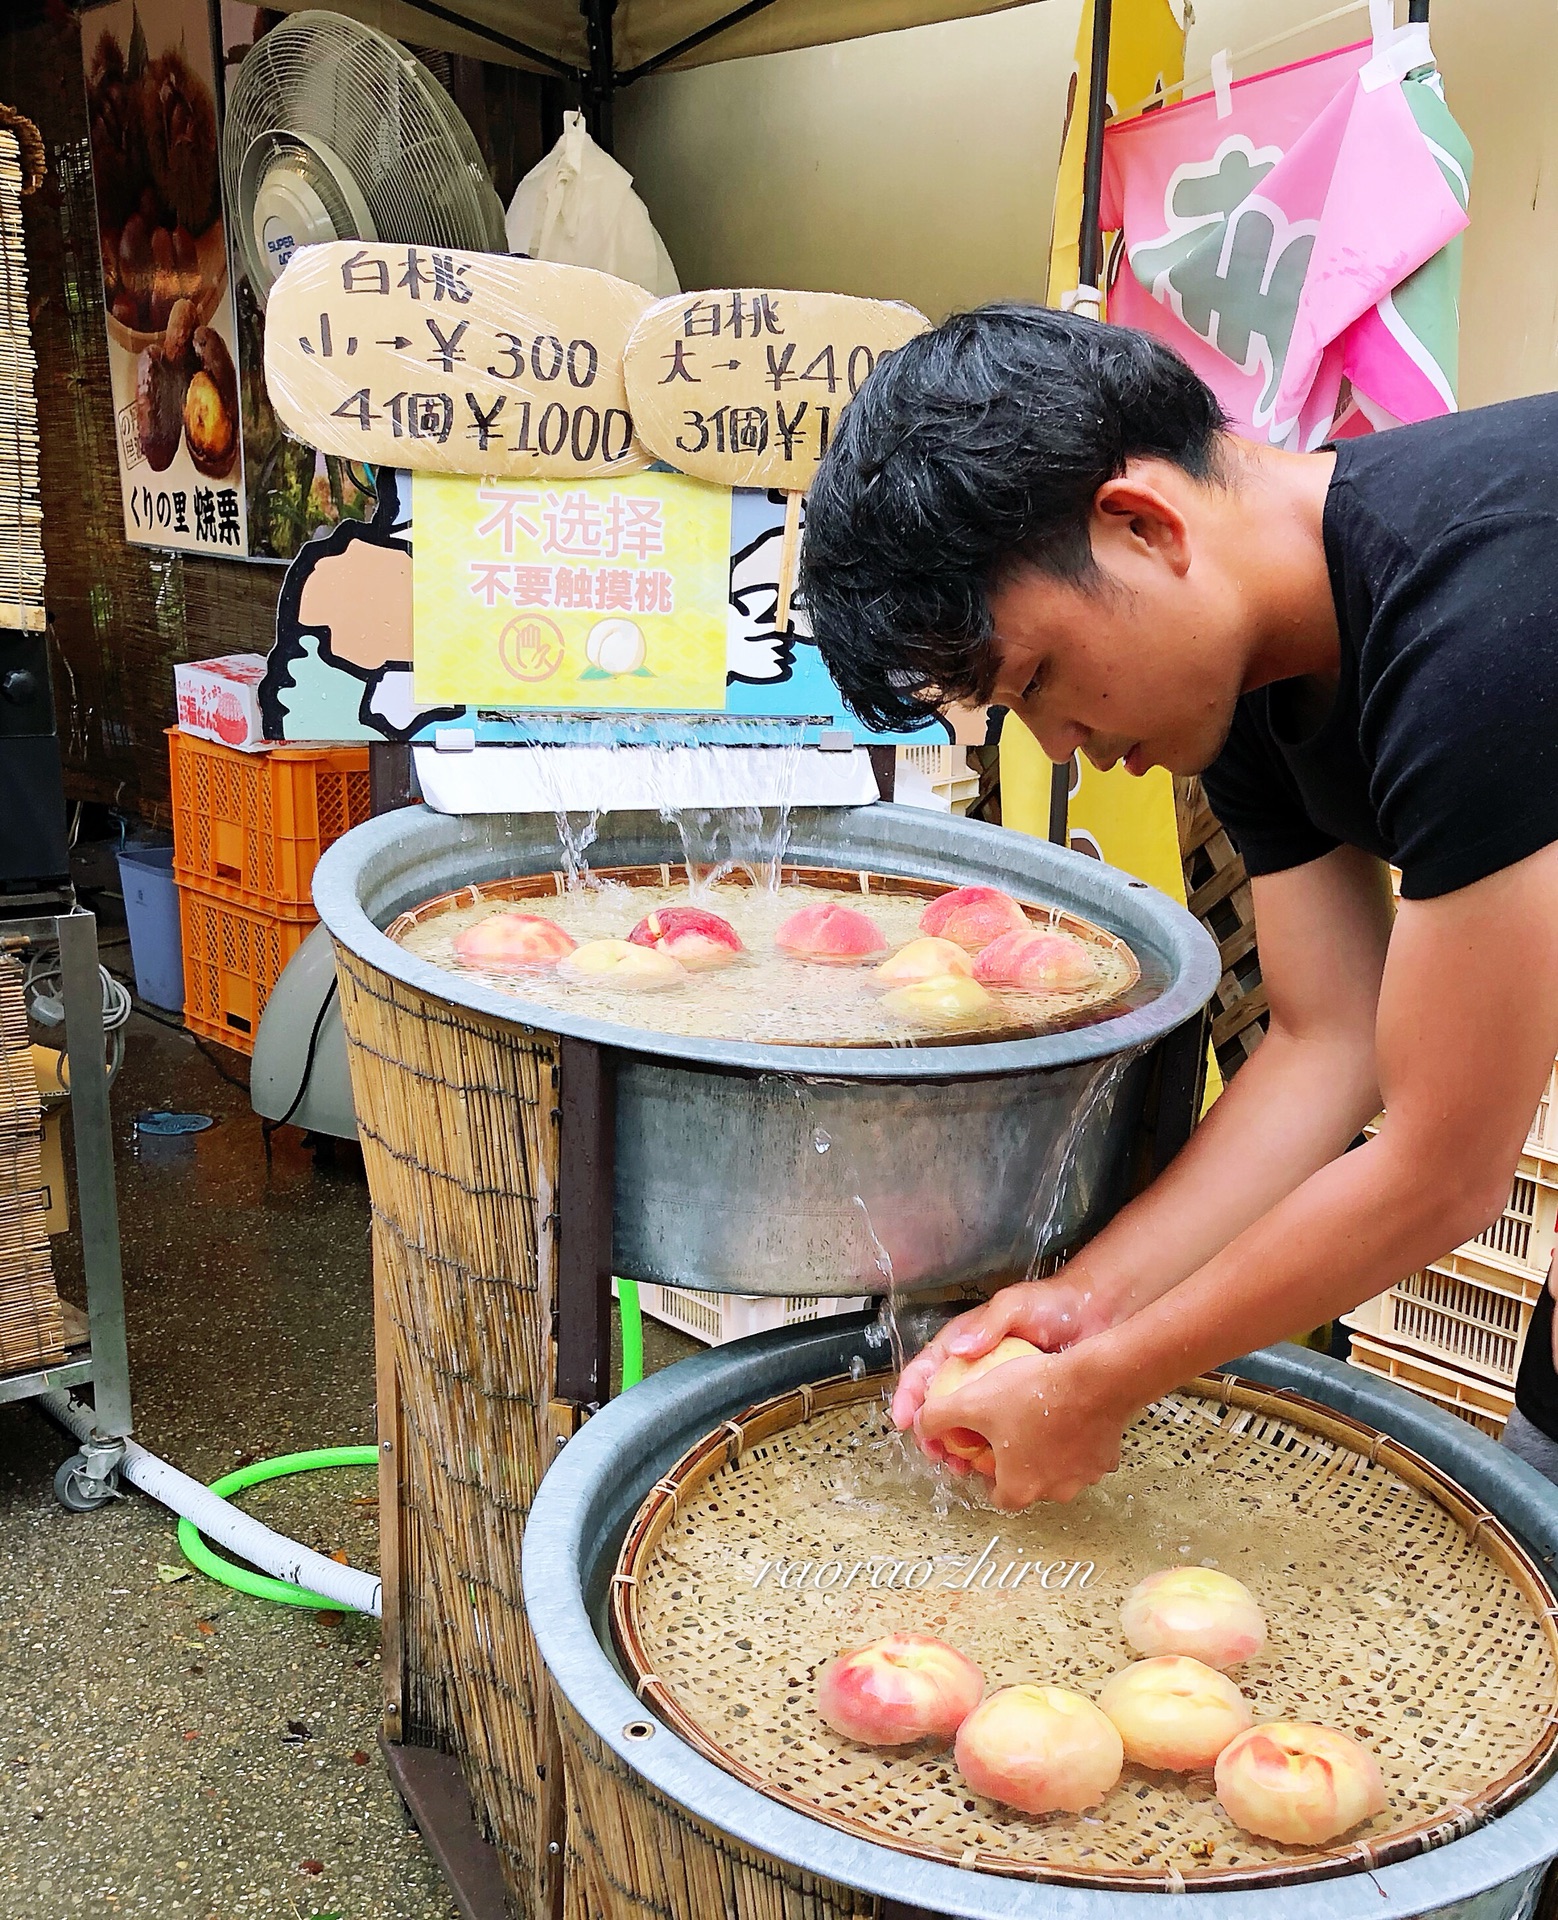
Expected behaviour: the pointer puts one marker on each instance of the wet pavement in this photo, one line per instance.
(170, 1747)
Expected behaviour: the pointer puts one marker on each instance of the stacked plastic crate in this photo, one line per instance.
(1454, 1331)
(248, 829)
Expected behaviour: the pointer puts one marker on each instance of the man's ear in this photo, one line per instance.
(1134, 520)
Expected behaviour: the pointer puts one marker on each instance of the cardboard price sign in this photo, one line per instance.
(451, 362)
(744, 386)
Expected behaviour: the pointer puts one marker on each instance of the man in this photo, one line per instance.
(1359, 648)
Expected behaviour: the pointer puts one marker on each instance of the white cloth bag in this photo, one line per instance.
(578, 207)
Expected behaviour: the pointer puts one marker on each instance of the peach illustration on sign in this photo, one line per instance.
(1037, 961)
(963, 1442)
(621, 965)
(514, 940)
(1196, 1611)
(1298, 1783)
(1174, 1713)
(924, 959)
(906, 1687)
(972, 916)
(829, 935)
(947, 1000)
(616, 646)
(1040, 1749)
(698, 939)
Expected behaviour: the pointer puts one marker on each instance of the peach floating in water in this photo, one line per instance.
(1040, 1749)
(513, 940)
(947, 999)
(905, 1687)
(1197, 1611)
(695, 937)
(1037, 961)
(957, 1372)
(1292, 1781)
(972, 916)
(926, 959)
(829, 935)
(1174, 1713)
(619, 964)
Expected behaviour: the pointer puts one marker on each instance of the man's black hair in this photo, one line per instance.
(976, 449)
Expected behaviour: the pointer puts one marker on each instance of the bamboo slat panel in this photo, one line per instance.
(458, 1121)
(1217, 891)
(31, 1329)
(21, 508)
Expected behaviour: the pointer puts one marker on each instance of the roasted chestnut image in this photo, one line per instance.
(211, 406)
(159, 402)
(179, 123)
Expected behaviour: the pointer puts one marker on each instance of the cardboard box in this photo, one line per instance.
(56, 1195)
(220, 699)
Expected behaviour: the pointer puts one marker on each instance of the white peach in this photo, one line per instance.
(1036, 960)
(829, 935)
(924, 959)
(957, 1372)
(906, 1687)
(1040, 1749)
(619, 964)
(1302, 1784)
(972, 916)
(1174, 1713)
(694, 936)
(945, 1000)
(509, 941)
(1196, 1611)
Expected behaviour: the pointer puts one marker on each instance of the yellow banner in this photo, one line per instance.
(596, 594)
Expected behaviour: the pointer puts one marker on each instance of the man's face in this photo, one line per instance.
(1142, 663)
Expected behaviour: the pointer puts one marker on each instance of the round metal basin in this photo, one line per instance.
(818, 1170)
(597, 1483)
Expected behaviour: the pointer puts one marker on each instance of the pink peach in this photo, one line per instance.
(972, 916)
(947, 1000)
(829, 935)
(924, 960)
(1292, 1781)
(513, 940)
(1040, 1749)
(1197, 1611)
(619, 964)
(1037, 961)
(697, 938)
(957, 1372)
(905, 1687)
(1174, 1714)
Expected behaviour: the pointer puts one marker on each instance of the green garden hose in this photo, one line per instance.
(632, 1333)
(201, 1556)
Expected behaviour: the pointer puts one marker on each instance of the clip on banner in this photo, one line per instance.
(1222, 82)
(1396, 51)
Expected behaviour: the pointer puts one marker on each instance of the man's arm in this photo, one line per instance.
(1297, 1103)
(1467, 1031)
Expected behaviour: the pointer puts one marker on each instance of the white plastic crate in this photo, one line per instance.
(717, 1318)
(947, 769)
(1473, 1316)
(1543, 1137)
(1481, 1403)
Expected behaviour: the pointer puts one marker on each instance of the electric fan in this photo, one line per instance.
(336, 132)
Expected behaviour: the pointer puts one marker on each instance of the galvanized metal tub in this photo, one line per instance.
(807, 1170)
(709, 1829)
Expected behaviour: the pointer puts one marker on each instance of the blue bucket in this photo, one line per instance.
(151, 906)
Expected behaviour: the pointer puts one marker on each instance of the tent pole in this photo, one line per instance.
(600, 82)
(1089, 274)
(1417, 13)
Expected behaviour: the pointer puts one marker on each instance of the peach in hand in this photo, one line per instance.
(1196, 1611)
(829, 935)
(963, 1442)
(1040, 1749)
(905, 1687)
(618, 963)
(1173, 1713)
(1292, 1781)
(924, 959)
(972, 916)
(690, 934)
(946, 1000)
(513, 940)
(1037, 960)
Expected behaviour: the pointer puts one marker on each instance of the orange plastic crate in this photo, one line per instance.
(250, 827)
(233, 956)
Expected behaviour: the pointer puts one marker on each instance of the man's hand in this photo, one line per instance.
(1049, 1313)
(1050, 1421)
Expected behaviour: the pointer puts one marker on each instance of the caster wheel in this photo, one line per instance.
(77, 1492)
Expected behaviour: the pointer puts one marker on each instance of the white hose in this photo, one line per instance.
(228, 1526)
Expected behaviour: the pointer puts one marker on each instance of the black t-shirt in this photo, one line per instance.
(1440, 751)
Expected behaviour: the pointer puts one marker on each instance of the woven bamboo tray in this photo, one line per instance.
(1069, 1009)
(1400, 1610)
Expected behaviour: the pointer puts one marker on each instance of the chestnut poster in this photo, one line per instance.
(151, 103)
